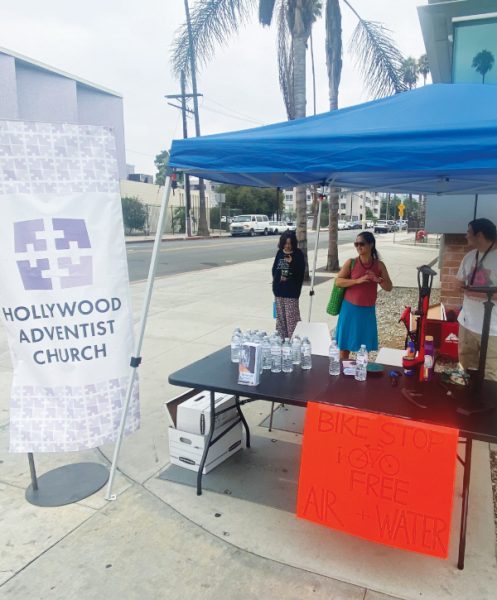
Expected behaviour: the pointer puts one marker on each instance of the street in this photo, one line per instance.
(184, 256)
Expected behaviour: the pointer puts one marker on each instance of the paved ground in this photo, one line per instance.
(159, 540)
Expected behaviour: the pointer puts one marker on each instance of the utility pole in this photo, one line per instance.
(183, 97)
(203, 228)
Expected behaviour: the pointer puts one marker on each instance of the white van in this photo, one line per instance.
(250, 225)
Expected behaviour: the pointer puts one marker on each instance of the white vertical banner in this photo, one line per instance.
(64, 286)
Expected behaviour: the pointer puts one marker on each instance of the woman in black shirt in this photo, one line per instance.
(288, 276)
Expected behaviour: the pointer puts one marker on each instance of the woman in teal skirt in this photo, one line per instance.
(361, 277)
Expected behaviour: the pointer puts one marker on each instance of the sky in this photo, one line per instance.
(126, 46)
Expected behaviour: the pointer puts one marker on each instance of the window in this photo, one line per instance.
(472, 37)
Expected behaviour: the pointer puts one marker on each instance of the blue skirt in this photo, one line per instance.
(356, 326)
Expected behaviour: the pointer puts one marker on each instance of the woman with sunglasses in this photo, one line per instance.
(361, 277)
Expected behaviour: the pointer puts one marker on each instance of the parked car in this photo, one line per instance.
(382, 226)
(393, 225)
(369, 224)
(277, 227)
(291, 226)
(249, 225)
(342, 225)
(402, 225)
(354, 225)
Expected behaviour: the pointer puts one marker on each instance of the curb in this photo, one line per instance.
(176, 239)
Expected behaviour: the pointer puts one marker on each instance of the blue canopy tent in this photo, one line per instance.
(438, 139)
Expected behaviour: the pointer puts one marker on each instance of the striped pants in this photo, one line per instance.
(287, 316)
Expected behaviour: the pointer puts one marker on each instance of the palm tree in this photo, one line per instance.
(295, 20)
(423, 67)
(213, 21)
(378, 60)
(409, 68)
(203, 228)
(483, 62)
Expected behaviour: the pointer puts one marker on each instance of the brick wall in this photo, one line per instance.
(454, 249)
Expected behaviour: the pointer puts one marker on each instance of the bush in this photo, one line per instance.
(178, 220)
(134, 214)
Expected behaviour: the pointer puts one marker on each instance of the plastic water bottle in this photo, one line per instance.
(286, 357)
(266, 354)
(276, 355)
(296, 349)
(361, 363)
(334, 358)
(236, 343)
(306, 355)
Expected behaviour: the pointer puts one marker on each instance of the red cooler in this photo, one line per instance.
(445, 336)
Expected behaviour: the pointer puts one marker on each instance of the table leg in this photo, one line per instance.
(242, 419)
(271, 417)
(465, 499)
(207, 444)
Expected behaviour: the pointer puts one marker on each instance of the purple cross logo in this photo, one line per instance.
(52, 254)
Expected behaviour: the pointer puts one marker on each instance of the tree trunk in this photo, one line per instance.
(333, 264)
(203, 227)
(333, 50)
(299, 55)
(334, 66)
(422, 210)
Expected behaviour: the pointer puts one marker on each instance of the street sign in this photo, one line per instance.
(401, 208)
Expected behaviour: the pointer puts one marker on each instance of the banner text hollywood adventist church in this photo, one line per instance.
(86, 331)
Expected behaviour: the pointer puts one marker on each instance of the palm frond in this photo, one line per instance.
(285, 61)
(378, 58)
(266, 11)
(301, 14)
(212, 24)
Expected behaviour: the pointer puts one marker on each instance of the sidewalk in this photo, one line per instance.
(159, 540)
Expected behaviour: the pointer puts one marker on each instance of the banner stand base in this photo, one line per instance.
(67, 484)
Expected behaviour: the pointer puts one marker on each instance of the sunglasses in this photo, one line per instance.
(359, 244)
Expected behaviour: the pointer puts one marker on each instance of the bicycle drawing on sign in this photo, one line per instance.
(372, 457)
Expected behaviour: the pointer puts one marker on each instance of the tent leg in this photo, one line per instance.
(311, 293)
(136, 359)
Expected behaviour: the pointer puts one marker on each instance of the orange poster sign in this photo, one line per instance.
(385, 479)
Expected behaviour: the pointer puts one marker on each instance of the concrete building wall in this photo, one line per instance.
(442, 24)
(32, 91)
(45, 96)
(454, 248)
(97, 108)
(8, 88)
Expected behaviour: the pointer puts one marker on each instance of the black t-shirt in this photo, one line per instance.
(288, 278)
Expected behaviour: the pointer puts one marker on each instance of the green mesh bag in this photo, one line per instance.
(336, 297)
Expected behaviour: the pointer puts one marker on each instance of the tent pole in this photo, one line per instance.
(136, 358)
(311, 293)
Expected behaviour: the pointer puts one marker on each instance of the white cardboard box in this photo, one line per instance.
(194, 414)
(185, 447)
